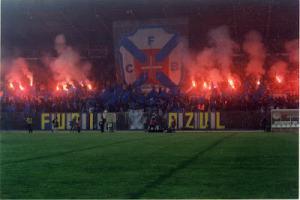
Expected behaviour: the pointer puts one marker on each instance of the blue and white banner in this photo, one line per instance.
(150, 51)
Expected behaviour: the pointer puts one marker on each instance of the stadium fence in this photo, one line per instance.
(135, 120)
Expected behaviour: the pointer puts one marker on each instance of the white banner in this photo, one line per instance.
(136, 119)
(285, 119)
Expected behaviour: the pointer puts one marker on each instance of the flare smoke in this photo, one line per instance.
(19, 72)
(255, 49)
(215, 62)
(68, 66)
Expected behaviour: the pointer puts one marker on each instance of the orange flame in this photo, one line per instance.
(89, 86)
(194, 83)
(21, 87)
(231, 83)
(206, 86)
(11, 85)
(279, 79)
(65, 87)
(31, 80)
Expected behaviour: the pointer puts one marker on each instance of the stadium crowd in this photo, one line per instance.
(121, 98)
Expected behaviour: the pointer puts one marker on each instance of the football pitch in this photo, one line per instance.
(142, 165)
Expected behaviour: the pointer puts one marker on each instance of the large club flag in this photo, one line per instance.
(145, 50)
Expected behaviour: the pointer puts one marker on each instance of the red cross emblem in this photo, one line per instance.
(151, 66)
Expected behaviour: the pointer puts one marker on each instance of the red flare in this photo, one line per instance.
(11, 85)
(258, 82)
(31, 81)
(21, 87)
(279, 79)
(65, 87)
(194, 83)
(231, 83)
(89, 86)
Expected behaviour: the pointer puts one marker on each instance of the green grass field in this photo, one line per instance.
(141, 165)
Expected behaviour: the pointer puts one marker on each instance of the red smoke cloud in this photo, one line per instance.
(292, 48)
(223, 49)
(18, 74)
(213, 65)
(255, 49)
(218, 56)
(278, 71)
(67, 67)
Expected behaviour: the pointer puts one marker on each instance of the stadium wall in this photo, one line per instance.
(135, 119)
